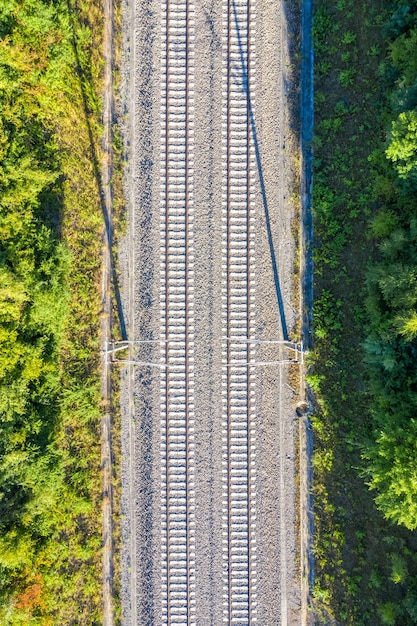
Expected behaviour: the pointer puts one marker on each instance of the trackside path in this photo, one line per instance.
(105, 324)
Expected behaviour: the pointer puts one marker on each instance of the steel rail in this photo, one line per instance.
(228, 379)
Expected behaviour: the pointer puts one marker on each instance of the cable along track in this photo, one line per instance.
(238, 318)
(177, 314)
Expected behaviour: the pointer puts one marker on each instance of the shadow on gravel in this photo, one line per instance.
(245, 87)
(84, 78)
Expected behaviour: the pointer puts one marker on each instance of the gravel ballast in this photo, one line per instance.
(274, 595)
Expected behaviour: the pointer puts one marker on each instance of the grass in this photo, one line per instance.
(51, 560)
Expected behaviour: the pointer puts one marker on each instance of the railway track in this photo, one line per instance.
(208, 509)
(239, 507)
(177, 315)
(177, 318)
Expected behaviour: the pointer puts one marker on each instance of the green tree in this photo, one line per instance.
(402, 148)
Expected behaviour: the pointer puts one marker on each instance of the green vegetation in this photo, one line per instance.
(392, 288)
(363, 369)
(50, 254)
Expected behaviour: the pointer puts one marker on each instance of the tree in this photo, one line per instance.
(402, 150)
(394, 473)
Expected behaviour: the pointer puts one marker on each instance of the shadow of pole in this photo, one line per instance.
(97, 174)
(246, 91)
